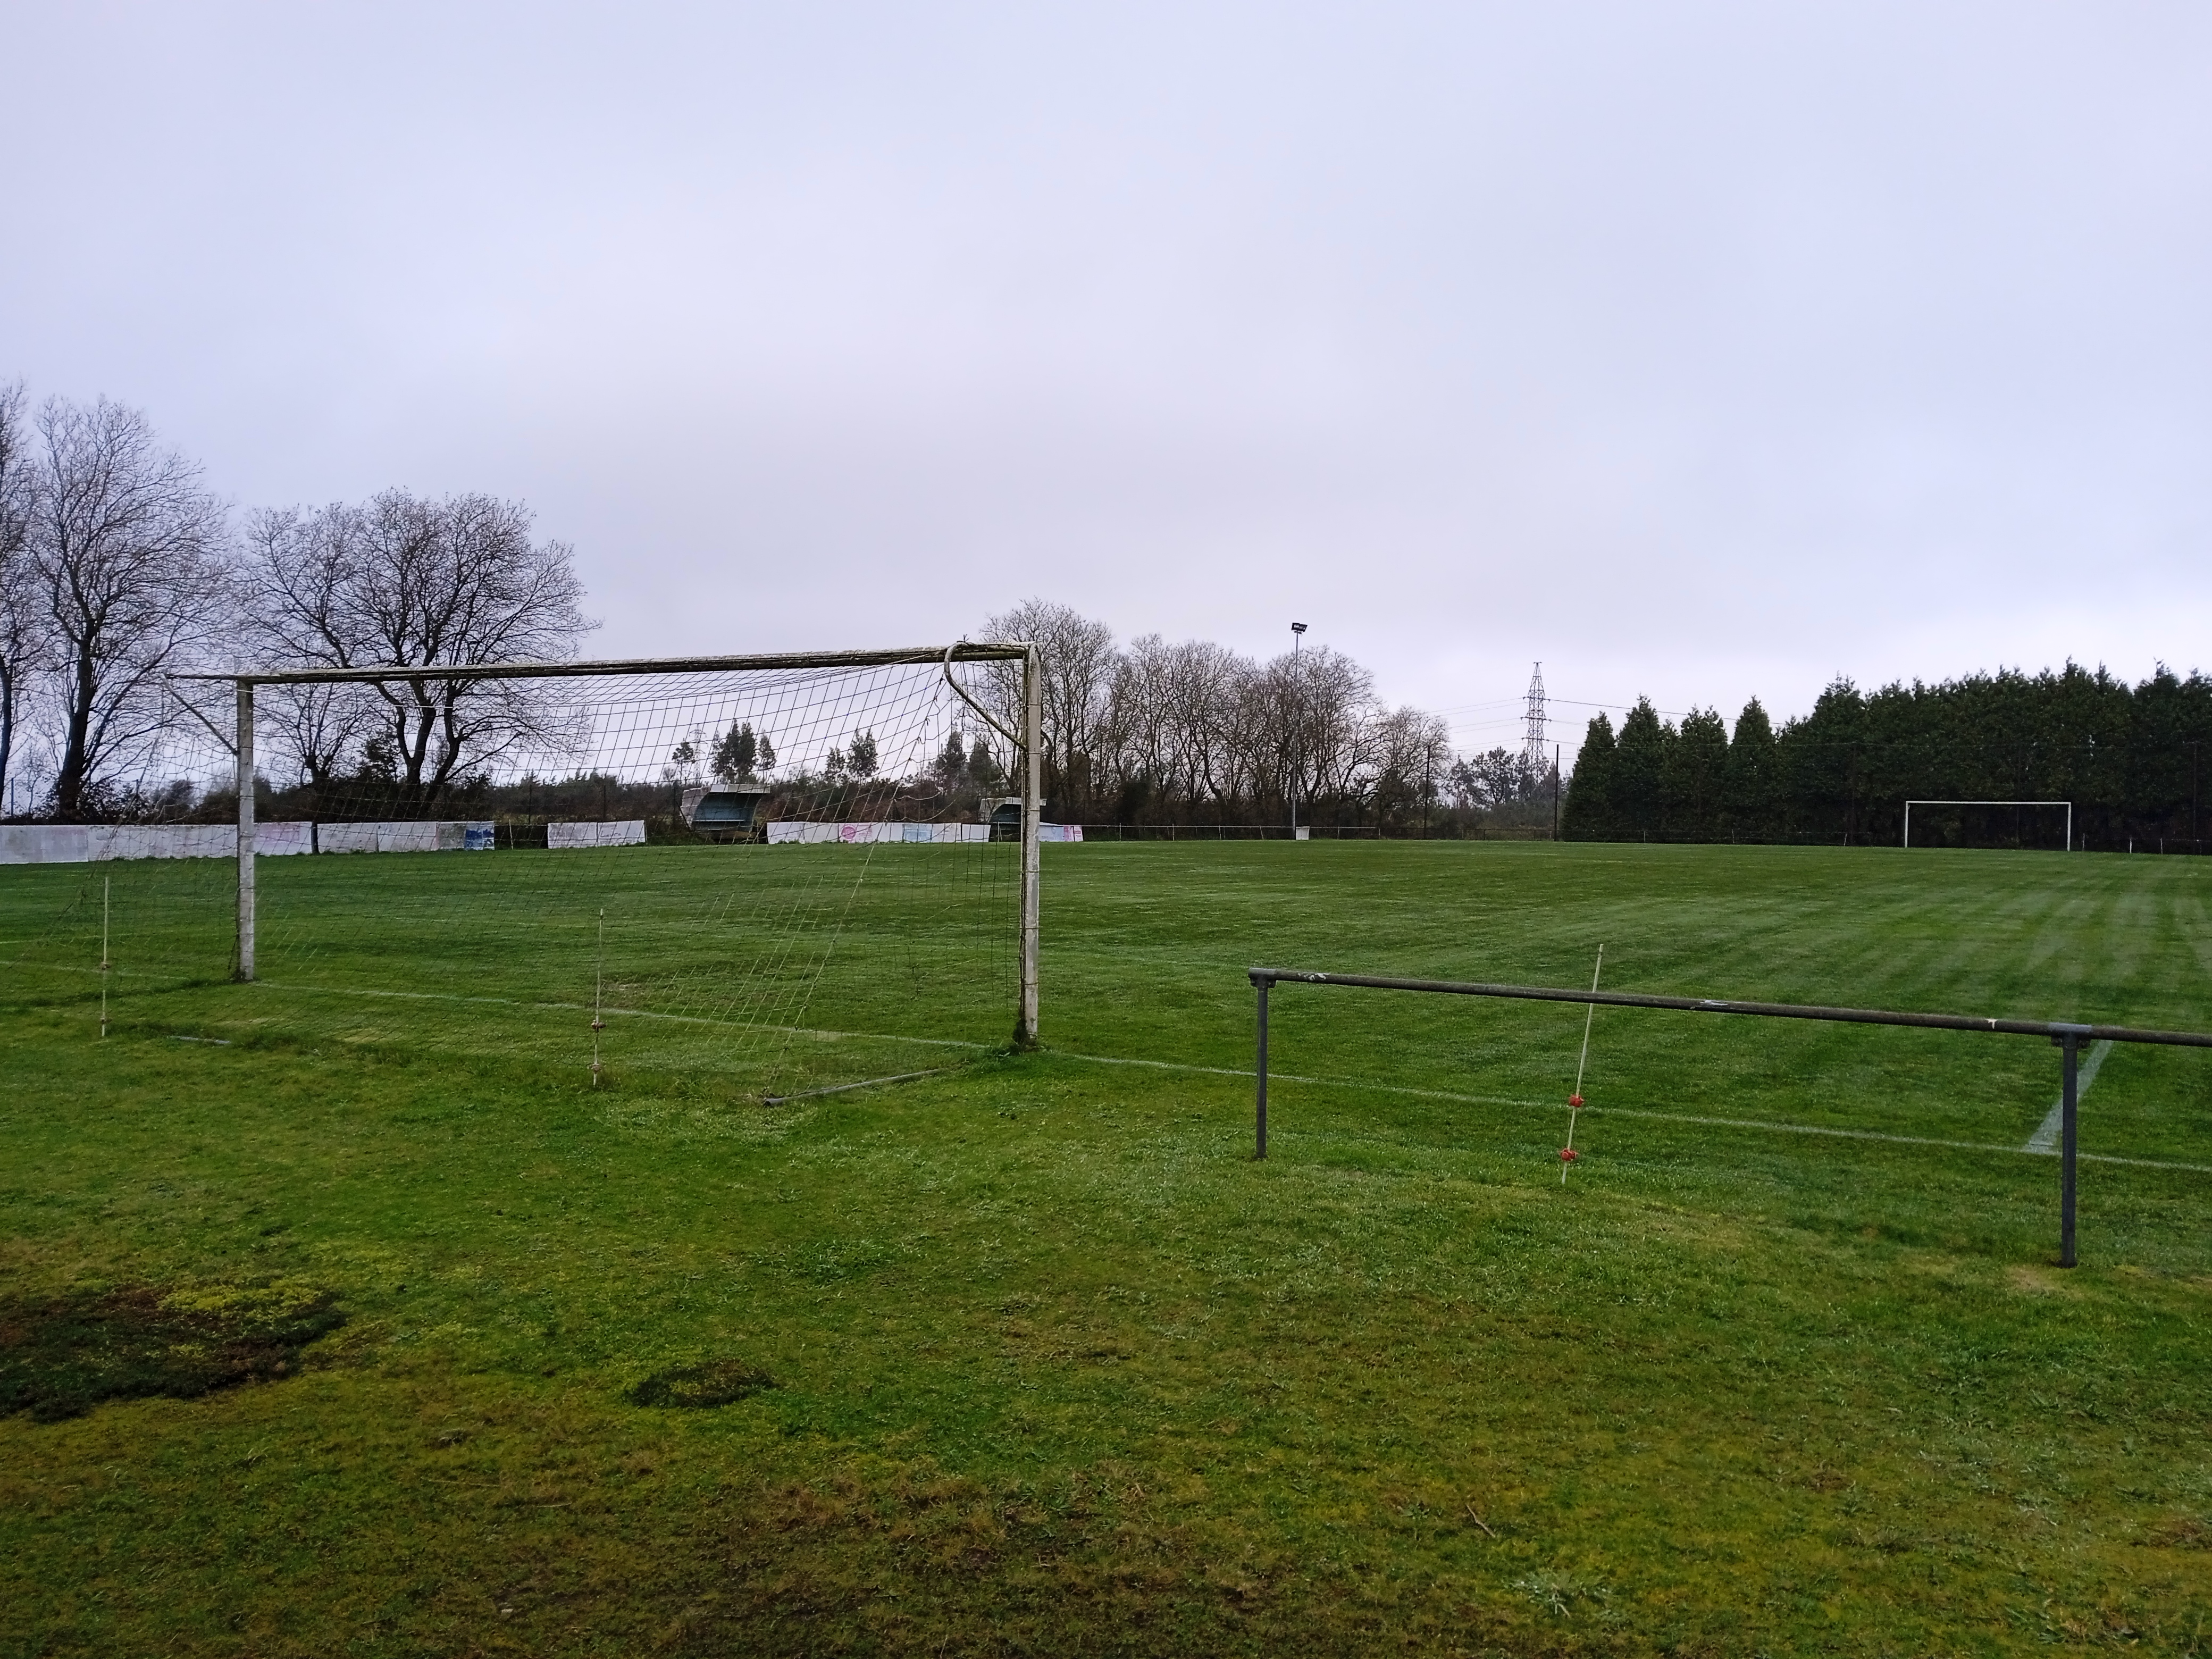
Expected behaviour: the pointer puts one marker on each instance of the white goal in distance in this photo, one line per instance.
(2053, 805)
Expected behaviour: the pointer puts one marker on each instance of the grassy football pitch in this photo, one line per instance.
(1027, 1355)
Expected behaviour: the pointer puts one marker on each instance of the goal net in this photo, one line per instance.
(764, 875)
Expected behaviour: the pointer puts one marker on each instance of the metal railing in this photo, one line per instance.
(2066, 1036)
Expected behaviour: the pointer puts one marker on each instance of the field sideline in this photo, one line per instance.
(1055, 1367)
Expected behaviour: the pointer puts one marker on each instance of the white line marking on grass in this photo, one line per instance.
(1655, 1117)
(2045, 1139)
(1282, 1077)
(632, 1013)
(1274, 1076)
(1904, 1141)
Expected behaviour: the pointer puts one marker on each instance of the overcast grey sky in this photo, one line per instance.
(1697, 350)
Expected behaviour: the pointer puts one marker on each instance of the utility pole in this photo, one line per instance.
(1555, 792)
(1297, 690)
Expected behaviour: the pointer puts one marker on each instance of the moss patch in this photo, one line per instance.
(717, 1383)
(61, 1356)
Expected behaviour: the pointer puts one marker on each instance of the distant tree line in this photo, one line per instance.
(2131, 758)
(1192, 732)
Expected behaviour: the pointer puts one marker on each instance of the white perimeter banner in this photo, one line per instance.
(425, 835)
(97, 843)
(862, 834)
(941, 834)
(625, 832)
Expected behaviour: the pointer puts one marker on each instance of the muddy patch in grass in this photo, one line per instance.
(61, 1356)
(717, 1383)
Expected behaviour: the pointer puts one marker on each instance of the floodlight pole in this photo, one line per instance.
(1298, 690)
(1025, 1025)
(245, 830)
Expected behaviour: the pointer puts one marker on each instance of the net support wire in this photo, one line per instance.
(2066, 1036)
(1028, 748)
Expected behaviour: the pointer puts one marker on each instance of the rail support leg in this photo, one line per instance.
(1259, 1106)
(2070, 1047)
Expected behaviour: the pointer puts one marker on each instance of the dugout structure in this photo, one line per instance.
(613, 722)
(2065, 1035)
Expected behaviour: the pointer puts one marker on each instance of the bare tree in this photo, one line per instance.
(1079, 662)
(405, 581)
(1194, 727)
(127, 555)
(318, 728)
(1414, 762)
(23, 633)
(1316, 729)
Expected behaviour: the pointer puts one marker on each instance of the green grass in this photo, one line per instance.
(1029, 1356)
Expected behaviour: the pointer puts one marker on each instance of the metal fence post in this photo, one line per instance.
(2070, 1047)
(1260, 1109)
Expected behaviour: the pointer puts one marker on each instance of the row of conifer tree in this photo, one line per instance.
(2128, 757)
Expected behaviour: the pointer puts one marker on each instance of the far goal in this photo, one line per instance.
(1988, 822)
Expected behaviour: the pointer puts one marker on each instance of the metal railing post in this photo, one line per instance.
(1259, 1106)
(2070, 1099)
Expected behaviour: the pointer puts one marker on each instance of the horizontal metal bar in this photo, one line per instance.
(1916, 802)
(982, 651)
(2043, 1028)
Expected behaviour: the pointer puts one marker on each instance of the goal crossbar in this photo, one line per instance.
(2067, 804)
(1029, 745)
(964, 651)
(2065, 1035)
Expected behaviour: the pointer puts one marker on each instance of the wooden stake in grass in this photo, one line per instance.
(599, 988)
(103, 958)
(1567, 1153)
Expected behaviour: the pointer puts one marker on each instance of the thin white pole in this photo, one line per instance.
(599, 992)
(246, 830)
(1025, 1020)
(1574, 1100)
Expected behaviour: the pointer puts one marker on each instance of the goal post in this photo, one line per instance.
(2067, 805)
(861, 747)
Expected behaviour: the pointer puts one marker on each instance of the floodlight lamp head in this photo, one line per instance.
(1298, 627)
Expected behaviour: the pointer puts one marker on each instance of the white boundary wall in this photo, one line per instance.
(427, 835)
(621, 832)
(862, 834)
(98, 843)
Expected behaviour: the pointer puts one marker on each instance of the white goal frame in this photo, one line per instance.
(2067, 804)
(1029, 745)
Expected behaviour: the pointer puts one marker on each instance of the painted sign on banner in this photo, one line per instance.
(628, 832)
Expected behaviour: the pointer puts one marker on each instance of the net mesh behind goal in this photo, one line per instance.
(754, 880)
